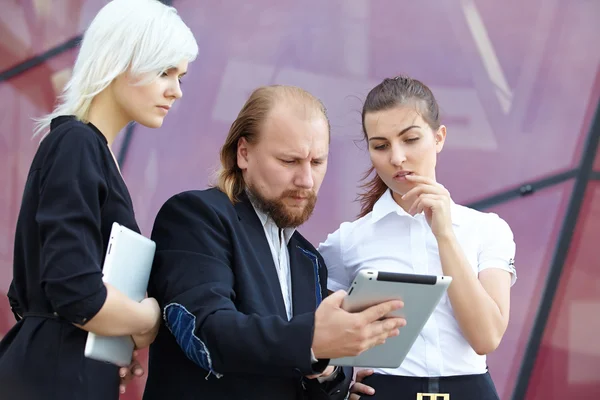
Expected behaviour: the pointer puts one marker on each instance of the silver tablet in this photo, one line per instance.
(127, 267)
(421, 295)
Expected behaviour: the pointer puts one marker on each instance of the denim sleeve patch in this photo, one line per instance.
(182, 324)
(315, 260)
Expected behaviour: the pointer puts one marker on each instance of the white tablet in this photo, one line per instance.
(420, 294)
(127, 267)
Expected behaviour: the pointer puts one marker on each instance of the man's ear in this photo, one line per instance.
(242, 153)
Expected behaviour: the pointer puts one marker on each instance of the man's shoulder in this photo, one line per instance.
(206, 200)
(211, 197)
(193, 209)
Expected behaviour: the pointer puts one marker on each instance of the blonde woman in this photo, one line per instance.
(129, 67)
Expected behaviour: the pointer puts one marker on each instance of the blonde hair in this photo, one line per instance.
(139, 36)
(247, 125)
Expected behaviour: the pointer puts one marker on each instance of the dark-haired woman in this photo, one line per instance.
(409, 223)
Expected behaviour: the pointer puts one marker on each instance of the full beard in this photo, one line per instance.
(283, 215)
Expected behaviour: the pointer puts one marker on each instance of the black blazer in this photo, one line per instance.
(226, 334)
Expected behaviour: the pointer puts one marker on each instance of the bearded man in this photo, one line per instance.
(246, 308)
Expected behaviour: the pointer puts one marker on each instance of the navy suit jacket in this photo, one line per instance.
(225, 333)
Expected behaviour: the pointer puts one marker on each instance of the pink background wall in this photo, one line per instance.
(517, 83)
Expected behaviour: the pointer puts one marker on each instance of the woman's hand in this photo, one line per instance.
(433, 200)
(145, 339)
(134, 370)
(358, 387)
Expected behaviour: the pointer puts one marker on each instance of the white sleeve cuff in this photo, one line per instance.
(331, 377)
(335, 286)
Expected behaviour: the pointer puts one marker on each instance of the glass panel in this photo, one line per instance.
(6, 317)
(535, 221)
(567, 363)
(29, 28)
(503, 96)
(24, 97)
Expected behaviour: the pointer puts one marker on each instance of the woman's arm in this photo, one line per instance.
(481, 304)
(121, 316)
(72, 193)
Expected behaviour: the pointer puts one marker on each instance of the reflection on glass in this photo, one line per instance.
(29, 28)
(566, 367)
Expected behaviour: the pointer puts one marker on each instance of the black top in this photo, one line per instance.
(73, 194)
(226, 334)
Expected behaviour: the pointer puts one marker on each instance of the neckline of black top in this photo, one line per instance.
(65, 118)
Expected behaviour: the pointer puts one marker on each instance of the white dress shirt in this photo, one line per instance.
(390, 239)
(278, 240)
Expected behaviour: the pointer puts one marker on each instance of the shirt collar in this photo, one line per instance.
(266, 221)
(387, 205)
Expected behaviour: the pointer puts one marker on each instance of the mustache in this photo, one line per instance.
(299, 193)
